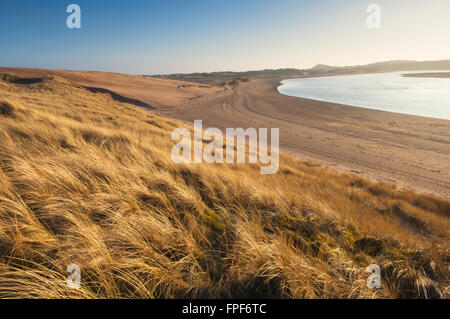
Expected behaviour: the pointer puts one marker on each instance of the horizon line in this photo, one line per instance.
(230, 71)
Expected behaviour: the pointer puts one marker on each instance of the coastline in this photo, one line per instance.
(425, 98)
(437, 75)
(410, 151)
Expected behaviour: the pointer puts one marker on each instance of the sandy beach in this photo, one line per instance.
(410, 151)
(437, 75)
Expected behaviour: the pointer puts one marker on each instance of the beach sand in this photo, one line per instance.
(410, 151)
(428, 75)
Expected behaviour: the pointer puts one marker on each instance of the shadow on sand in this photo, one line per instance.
(119, 97)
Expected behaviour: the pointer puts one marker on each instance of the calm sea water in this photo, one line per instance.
(383, 91)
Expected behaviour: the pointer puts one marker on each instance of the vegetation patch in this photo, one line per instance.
(89, 180)
(370, 246)
(7, 109)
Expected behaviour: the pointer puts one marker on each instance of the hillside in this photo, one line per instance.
(388, 66)
(318, 70)
(141, 91)
(88, 180)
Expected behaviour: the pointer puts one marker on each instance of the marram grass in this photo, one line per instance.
(89, 181)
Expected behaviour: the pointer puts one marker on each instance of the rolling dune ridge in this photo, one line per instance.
(87, 179)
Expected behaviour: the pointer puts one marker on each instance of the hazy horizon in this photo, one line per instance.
(158, 37)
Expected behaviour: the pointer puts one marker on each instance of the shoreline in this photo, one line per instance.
(405, 105)
(437, 75)
(408, 150)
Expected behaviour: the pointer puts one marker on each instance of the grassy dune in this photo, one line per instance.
(89, 181)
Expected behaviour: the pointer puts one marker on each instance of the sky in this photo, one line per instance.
(171, 36)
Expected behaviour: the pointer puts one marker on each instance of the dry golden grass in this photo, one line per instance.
(87, 180)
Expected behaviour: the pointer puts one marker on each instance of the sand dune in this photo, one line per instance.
(153, 92)
(90, 181)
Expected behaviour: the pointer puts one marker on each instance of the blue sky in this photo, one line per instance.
(164, 36)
